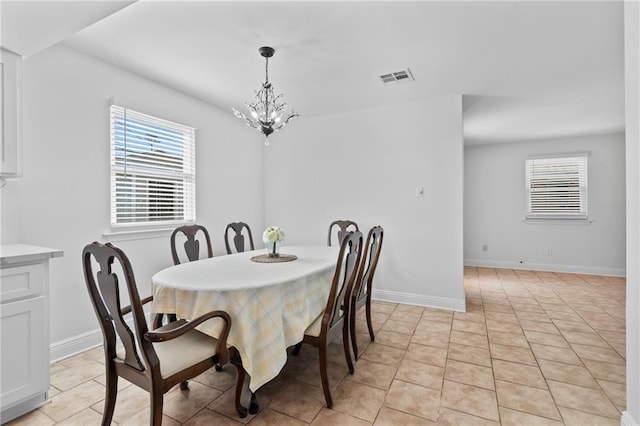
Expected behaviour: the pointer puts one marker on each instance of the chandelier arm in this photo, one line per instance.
(281, 107)
(291, 116)
(246, 119)
(250, 123)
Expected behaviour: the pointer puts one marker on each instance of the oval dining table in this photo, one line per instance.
(270, 304)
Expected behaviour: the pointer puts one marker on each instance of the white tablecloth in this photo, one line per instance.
(270, 304)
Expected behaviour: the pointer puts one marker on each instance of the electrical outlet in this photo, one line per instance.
(549, 251)
(419, 191)
(485, 247)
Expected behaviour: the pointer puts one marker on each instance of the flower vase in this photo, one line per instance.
(274, 249)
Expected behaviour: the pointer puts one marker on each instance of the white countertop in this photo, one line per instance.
(20, 253)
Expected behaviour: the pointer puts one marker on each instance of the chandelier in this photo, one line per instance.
(267, 115)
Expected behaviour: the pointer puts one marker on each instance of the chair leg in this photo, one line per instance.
(296, 348)
(156, 407)
(352, 331)
(158, 319)
(368, 312)
(324, 376)
(111, 393)
(346, 344)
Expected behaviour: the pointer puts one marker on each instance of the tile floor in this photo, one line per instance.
(533, 348)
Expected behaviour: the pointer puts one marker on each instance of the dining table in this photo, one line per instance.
(271, 301)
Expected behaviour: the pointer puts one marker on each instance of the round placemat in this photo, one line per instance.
(264, 258)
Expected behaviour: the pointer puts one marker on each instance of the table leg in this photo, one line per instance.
(240, 376)
(253, 406)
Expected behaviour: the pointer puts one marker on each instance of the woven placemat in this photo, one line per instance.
(264, 258)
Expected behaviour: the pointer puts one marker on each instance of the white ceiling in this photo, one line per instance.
(28, 27)
(528, 70)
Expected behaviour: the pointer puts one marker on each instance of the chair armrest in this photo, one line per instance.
(127, 309)
(221, 348)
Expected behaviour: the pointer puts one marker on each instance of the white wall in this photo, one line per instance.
(365, 166)
(9, 213)
(632, 106)
(63, 198)
(495, 203)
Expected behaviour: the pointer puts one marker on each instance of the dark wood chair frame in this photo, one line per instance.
(144, 373)
(335, 318)
(362, 289)
(343, 226)
(238, 238)
(192, 249)
(192, 245)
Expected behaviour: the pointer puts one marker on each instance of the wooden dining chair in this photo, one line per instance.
(334, 319)
(192, 250)
(192, 244)
(238, 237)
(361, 293)
(343, 226)
(152, 360)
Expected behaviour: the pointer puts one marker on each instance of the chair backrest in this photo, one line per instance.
(104, 290)
(344, 226)
(238, 237)
(191, 245)
(342, 283)
(368, 264)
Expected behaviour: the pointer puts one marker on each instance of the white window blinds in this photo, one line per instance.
(152, 170)
(557, 187)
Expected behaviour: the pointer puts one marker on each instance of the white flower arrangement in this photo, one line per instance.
(272, 234)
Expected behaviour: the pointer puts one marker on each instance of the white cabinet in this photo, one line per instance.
(24, 329)
(10, 114)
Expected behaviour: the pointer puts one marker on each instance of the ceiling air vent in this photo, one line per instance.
(403, 76)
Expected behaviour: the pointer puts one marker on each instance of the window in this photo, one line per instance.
(152, 170)
(557, 187)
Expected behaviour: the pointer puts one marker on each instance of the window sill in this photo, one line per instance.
(136, 234)
(557, 221)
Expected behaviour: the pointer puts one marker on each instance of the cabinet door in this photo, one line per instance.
(24, 357)
(10, 114)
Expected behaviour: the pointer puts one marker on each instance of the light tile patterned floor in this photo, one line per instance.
(533, 348)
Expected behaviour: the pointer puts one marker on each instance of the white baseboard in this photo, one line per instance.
(75, 345)
(419, 300)
(80, 343)
(548, 267)
(627, 420)
(83, 342)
